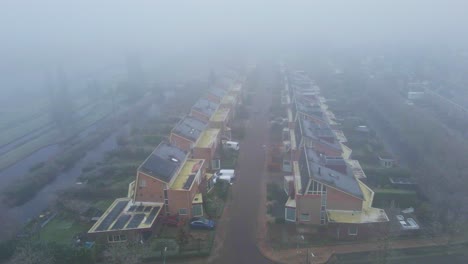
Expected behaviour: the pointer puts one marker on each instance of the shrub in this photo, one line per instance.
(280, 220)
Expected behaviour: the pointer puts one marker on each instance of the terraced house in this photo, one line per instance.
(327, 186)
(173, 178)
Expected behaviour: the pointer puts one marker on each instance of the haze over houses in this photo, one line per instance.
(173, 179)
(326, 186)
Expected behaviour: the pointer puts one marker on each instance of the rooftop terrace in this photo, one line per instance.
(207, 138)
(187, 174)
(221, 115)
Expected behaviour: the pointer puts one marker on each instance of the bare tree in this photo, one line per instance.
(123, 253)
(30, 254)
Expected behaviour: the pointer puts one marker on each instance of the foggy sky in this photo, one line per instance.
(88, 35)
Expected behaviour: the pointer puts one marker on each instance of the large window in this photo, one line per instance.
(317, 188)
(197, 210)
(290, 214)
(116, 238)
(183, 211)
(305, 217)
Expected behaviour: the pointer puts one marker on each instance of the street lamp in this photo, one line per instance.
(164, 260)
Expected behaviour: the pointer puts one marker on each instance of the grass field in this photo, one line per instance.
(92, 115)
(62, 229)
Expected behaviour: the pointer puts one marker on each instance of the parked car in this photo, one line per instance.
(202, 223)
(225, 175)
(230, 145)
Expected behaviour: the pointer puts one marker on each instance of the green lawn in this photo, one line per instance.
(62, 229)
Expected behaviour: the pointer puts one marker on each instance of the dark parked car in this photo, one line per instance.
(201, 223)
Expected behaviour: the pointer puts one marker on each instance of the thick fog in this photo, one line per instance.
(86, 37)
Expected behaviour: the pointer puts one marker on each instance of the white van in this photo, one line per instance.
(231, 145)
(225, 175)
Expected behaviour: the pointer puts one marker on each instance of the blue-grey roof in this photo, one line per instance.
(314, 130)
(163, 162)
(218, 92)
(205, 107)
(190, 128)
(346, 183)
(308, 108)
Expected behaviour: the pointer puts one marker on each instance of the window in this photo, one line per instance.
(352, 230)
(305, 217)
(290, 214)
(197, 210)
(116, 238)
(317, 188)
(142, 183)
(183, 211)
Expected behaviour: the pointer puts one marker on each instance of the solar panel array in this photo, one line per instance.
(140, 208)
(121, 222)
(147, 209)
(136, 221)
(152, 215)
(189, 181)
(118, 208)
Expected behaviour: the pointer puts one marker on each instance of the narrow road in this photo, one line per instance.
(240, 241)
(236, 235)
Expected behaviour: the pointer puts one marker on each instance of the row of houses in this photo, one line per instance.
(326, 186)
(174, 177)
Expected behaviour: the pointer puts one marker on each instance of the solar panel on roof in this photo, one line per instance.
(136, 221)
(152, 215)
(118, 208)
(121, 222)
(189, 181)
(140, 208)
(147, 209)
(132, 208)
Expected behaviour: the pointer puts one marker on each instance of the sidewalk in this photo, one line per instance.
(324, 253)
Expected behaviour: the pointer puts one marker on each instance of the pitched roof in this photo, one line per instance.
(205, 107)
(314, 130)
(309, 109)
(163, 162)
(319, 172)
(190, 128)
(218, 92)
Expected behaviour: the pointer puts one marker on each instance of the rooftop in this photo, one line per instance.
(218, 92)
(205, 107)
(228, 100)
(190, 128)
(187, 174)
(163, 162)
(309, 109)
(197, 199)
(313, 130)
(207, 138)
(220, 115)
(291, 203)
(356, 169)
(340, 136)
(346, 183)
(124, 214)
